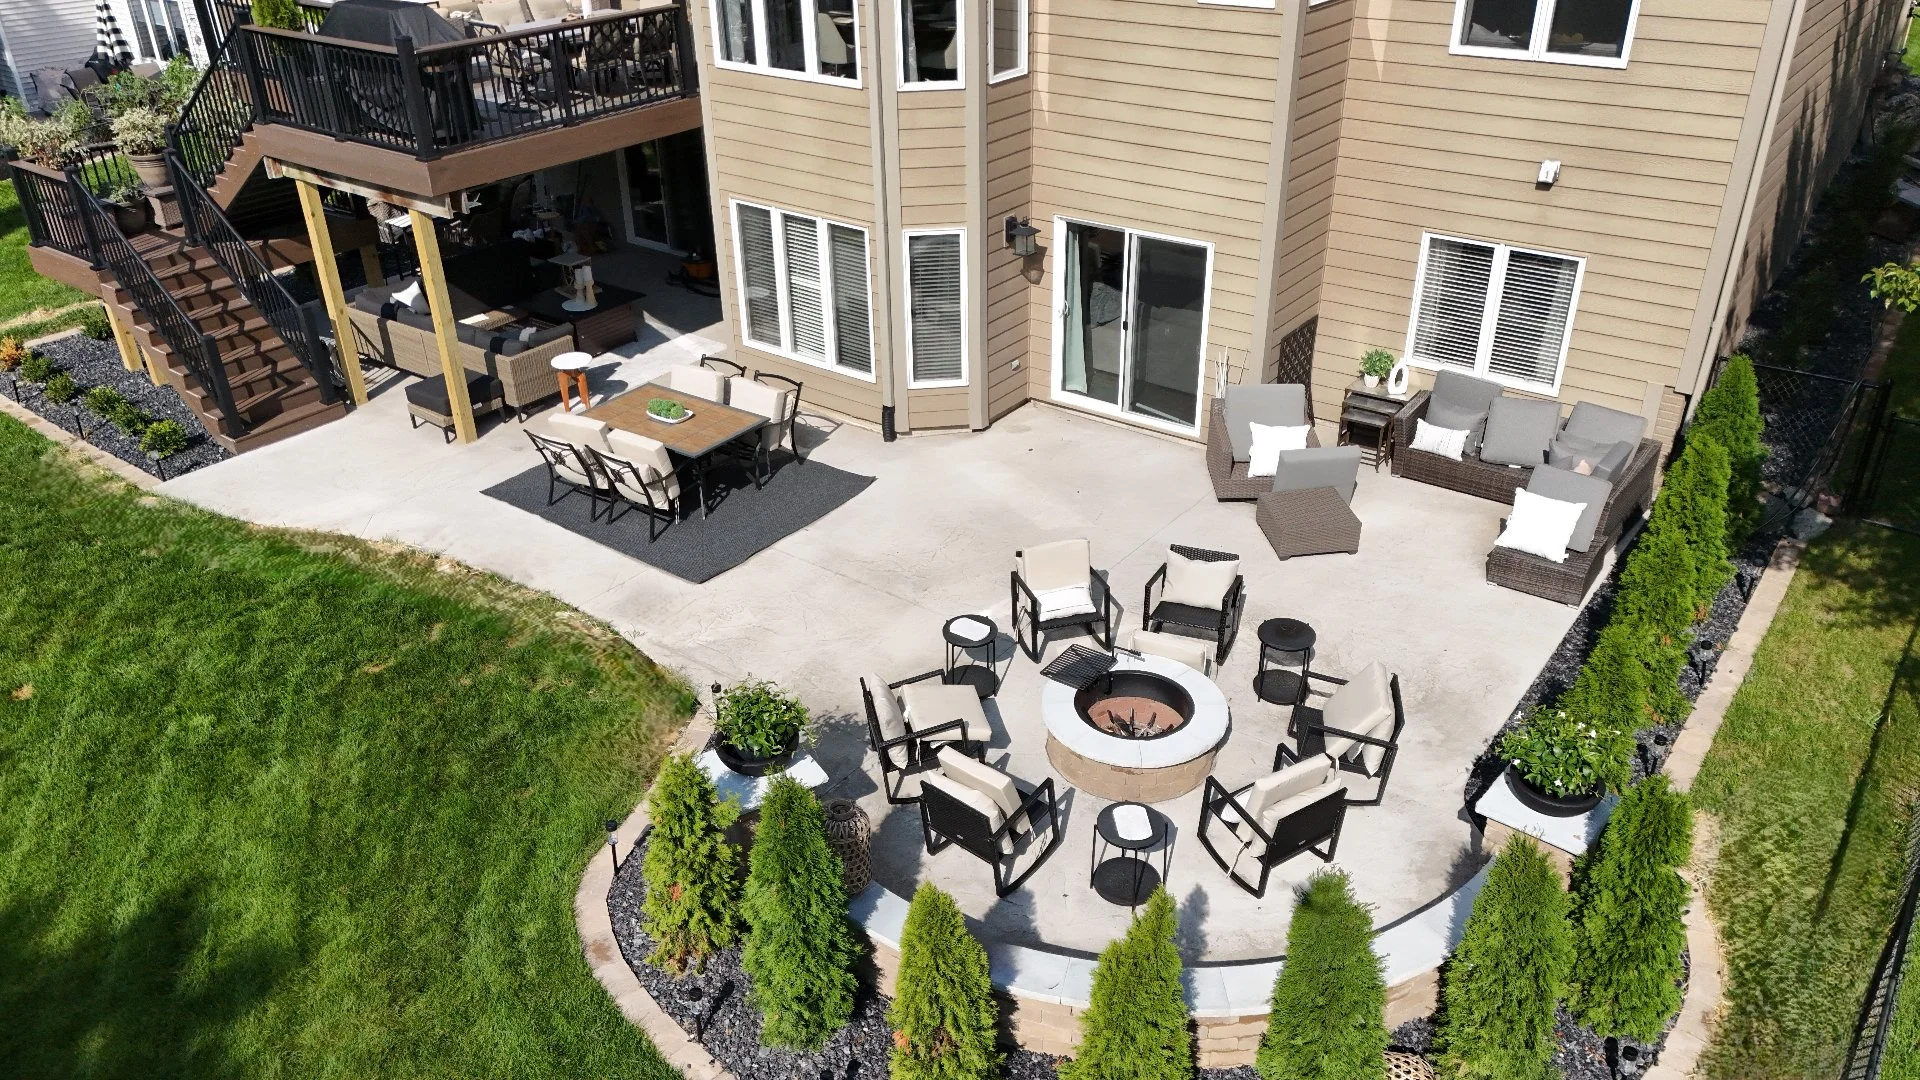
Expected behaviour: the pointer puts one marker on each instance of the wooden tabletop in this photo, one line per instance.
(711, 426)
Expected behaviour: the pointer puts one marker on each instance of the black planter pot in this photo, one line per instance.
(747, 763)
(1541, 802)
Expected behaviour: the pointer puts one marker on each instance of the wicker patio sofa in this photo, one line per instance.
(1471, 475)
(405, 340)
(1568, 581)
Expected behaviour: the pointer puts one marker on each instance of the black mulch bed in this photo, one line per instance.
(97, 363)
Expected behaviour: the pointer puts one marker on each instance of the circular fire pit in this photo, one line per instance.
(1146, 731)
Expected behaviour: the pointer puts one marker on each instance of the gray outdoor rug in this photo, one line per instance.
(742, 520)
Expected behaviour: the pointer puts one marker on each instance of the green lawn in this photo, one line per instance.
(21, 289)
(1813, 777)
(1912, 59)
(293, 806)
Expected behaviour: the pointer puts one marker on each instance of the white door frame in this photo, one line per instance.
(626, 205)
(1093, 404)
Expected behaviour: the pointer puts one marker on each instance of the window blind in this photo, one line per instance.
(1453, 302)
(1536, 301)
(933, 283)
(758, 276)
(1494, 310)
(806, 298)
(853, 334)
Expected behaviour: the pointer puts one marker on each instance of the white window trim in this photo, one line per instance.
(900, 47)
(1094, 404)
(966, 300)
(1497, 275)
(1537, 50)
(807, 35)
(1020, 38)
(1267, 5)
(823, 238)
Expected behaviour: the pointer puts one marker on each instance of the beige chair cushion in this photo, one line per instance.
(886, 708)
(569, 468)
(1062, 564)
(985, 779)
(503, 13)
(974, 800)
(578, 430)
(1280, 810)
(930, 704)
(1198, 584)
(1365, 707)
(1181, 650)
(552, 9)
(760, 399)
(1272, 789)
(1059, 603)
(695, 380)
(646, 454)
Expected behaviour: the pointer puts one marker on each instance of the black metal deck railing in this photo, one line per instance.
(214, 119)
(207, 227)
(433, 100)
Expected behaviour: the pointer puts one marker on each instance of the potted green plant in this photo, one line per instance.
(1375, 365)
(1562, 767)
(130, 209)
(141, 134)
(757, 726)
(53, 142)
(667, 410)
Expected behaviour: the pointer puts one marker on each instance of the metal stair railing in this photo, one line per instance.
(109, 249)
(216, 117)
(207, 227)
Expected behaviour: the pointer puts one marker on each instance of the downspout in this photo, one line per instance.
(979, 63)
(883, 126)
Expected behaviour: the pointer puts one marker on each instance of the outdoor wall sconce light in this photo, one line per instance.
(1020, 236)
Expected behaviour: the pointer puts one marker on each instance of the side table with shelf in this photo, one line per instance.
(1366, 420)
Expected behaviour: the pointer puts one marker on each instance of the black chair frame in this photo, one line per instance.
(1036, 627)
(1223, 622)
(1303, 830)
(727, 368)
(785, 426)
(945, 821)
(1311, 735)
(612, 469)
(554, 453)
(922, 749)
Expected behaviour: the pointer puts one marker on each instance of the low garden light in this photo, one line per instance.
(1020, 236)
(613, 849)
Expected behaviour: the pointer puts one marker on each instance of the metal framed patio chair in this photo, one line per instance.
(1055, 586)
(891, 732)
(570, 470)
(1295, 809)
(783, 427)
(639, 476)
(989, 815)
(727, 368)
(1357, 728)
(1200, 590)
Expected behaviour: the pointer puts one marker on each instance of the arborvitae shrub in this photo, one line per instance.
(1327, 1020)
(1135, 1028)
(1610, 692)
(1629, 898)
(800, 944)
(1501, 985)
(943, 1010)
(1696, 494)
(692, 889)
(1729, 413)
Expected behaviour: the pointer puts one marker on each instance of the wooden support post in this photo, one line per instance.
(129, 352)
(320, 239)
(370, 262)
(433, 277)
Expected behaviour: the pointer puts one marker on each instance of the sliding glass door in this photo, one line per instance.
(1132, 322)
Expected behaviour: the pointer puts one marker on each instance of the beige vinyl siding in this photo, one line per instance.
(1009, 293)
(1154, 115)
(1313, 159)
(1835, 55)
(1434, 142)
(933, 187)
(800, 146)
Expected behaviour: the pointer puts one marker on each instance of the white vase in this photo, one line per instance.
(1398, 379)
(1372, 381)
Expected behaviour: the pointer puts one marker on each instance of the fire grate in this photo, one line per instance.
(1078, 666)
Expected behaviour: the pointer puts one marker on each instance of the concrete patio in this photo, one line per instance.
(869, 587)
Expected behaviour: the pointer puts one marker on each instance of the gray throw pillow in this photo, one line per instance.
(1551, 483)
(1603, 459)
(506, 344)
(1599, 424)
(1455, 417)
(472, 335)
(409, 317)
(551, 333)
(1616, 460)
(1518, 431)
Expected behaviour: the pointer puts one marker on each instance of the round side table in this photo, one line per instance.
(1283, 642)
(1130, 877)
(964, 635)
(572, 367)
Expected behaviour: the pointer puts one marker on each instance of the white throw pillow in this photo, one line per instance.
(1263, 458)
(1540, 526)
(410, 296)
(1198, 583)
(1434, 439)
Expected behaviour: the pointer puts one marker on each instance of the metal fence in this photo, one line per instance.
(1869, 1045)
(1809, 420)
(1890, 496)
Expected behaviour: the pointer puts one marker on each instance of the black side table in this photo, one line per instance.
(965, 634)
(1129, 878)
(1366, 421)
(1283, 641)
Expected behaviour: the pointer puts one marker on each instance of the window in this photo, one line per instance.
(936, 309)
(803, 287)
(930, 43)
(1594, 32)
(1007, 31)
(1503, 313)
(804, 39)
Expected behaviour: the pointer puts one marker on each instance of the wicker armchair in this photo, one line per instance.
(945, 720)
(1277, 403)
(989, 815)
(1567, 582)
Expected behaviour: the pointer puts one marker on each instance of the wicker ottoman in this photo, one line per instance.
(427, 400)
(1312, 522)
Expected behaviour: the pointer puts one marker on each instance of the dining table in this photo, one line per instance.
(708, 427)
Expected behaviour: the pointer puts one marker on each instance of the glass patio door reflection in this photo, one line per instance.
(1132, 321)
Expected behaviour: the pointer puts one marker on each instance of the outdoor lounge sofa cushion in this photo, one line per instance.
(1196, 582)
(886, 708)
(1461, 402)
(552, 9)
(1589, 458)
(1277, 404)
(1540, 526)
(431, 394)
(1518, 431)
(986, 780)
(1591, 491)
(411, 295)
(1600, 424)
(973, 799)
(1364, 706)
(1336, 467)
(1174, 647)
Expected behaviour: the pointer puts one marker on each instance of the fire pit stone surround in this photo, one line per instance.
(1152, 769)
